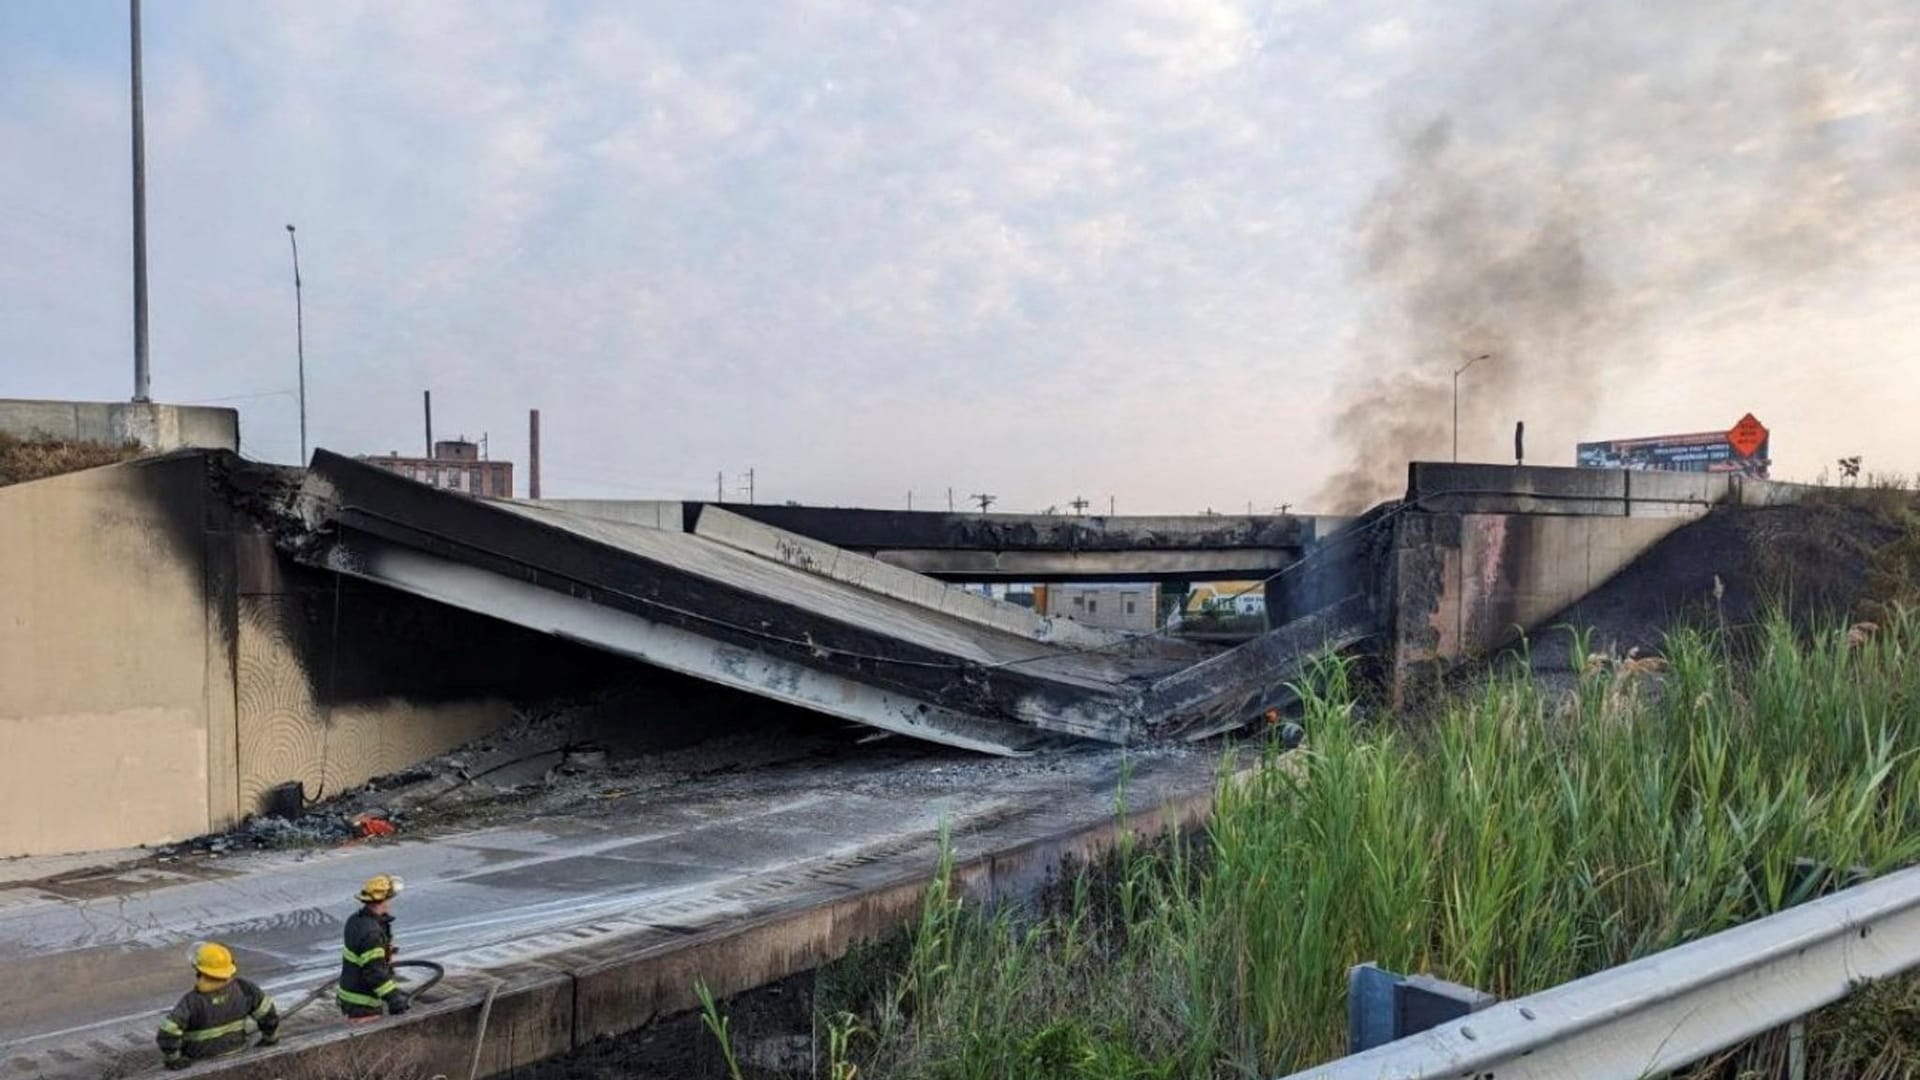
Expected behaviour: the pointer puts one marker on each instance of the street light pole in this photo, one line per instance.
(299, 341)
(141, 376)
(1456, 402)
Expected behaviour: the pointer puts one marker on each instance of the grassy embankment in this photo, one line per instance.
(1525, 837)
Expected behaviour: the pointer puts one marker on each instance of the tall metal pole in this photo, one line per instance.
(299, 341)
(1456, 402)
(142, 380)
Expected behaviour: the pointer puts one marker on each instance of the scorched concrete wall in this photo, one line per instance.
(1465, 585)
(159, 670)
(292, 725)
(116, 700)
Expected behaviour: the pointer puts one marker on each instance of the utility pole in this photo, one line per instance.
(983, 499)
(749, 485)
(142, 378)
(1456, 401)
(1079, 505)
(299, 339)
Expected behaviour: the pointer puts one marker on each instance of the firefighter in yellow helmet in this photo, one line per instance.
(367, 986)
(211, 1019)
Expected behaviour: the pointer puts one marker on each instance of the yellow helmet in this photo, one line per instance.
(381, 887)
(213, 960)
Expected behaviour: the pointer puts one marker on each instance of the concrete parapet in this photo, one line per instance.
(154, 426)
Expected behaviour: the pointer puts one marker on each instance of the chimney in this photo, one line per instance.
(533, 453)
(426, 398)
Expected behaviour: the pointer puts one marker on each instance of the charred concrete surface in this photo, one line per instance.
(763, 614)
(1483, 554)
(587, 924)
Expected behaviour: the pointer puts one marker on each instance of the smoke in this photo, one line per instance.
(1609, 175)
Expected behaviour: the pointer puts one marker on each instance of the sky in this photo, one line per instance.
(1183, 254)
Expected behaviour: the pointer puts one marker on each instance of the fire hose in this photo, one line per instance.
(436, 973)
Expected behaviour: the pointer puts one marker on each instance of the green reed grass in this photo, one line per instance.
(1527, 836)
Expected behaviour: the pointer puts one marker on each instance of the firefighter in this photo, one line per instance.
(367, 987)
(211, 1019)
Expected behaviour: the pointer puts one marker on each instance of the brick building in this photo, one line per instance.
(456, 465)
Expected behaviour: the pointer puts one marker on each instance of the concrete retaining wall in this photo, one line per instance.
(153, 425)
(116, 700)
(153, 682)
(1487, 552)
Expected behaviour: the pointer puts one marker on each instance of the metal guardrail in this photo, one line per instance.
(1674, 1007)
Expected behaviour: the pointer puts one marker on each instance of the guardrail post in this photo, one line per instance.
(1383, 1006)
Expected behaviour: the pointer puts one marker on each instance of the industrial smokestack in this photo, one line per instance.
(1519, 442)
(533, 453)
(426, 399)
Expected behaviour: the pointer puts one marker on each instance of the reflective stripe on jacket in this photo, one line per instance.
(211, 1022)
(366, 963)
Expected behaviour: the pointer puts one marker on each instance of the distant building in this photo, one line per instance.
(456, 465)
(1127, 607)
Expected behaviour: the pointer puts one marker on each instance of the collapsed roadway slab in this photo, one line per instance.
(757, 609)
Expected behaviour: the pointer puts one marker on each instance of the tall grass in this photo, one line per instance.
(1527, 837)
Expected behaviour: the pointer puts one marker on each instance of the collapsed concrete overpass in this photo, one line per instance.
(738, 602)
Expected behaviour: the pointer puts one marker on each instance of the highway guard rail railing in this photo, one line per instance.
(1674, 1007)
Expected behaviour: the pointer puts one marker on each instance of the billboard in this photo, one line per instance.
(1742, 449)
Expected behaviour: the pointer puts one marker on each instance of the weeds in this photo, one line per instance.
(718, 1025)
(1529, 837)
(22, 460)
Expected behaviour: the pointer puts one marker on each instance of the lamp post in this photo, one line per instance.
(1456, 401)
(299, 341)
(141, 372)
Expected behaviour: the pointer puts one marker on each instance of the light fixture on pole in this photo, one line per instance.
(300, 342)
(1456, 401)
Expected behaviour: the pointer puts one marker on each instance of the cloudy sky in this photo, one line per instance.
(1186, 253)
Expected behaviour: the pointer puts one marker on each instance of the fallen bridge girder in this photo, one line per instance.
(675, 649)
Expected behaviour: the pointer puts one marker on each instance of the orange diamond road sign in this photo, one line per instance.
(1748, 436)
